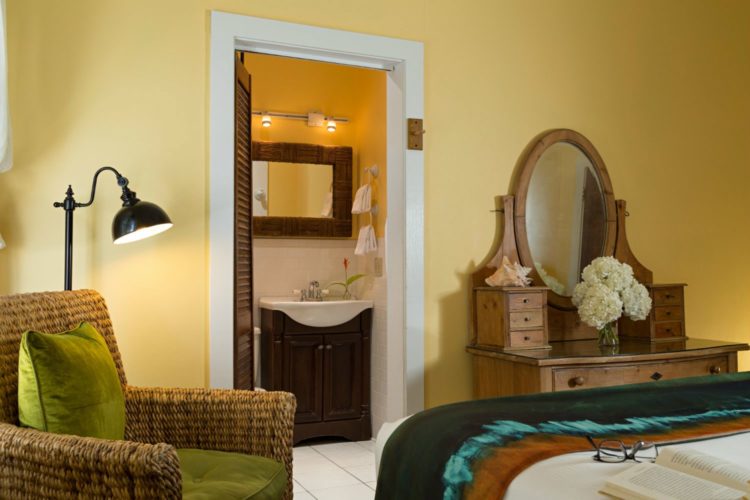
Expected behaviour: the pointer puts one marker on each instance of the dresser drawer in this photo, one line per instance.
(526, 338)
(527, 319)
(668, 313)
(668, 329)
(668, 296)
(586, 377)
(520, 301)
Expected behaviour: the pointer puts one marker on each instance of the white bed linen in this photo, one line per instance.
(576, 476)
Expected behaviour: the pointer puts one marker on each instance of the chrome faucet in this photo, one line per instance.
(313, 291)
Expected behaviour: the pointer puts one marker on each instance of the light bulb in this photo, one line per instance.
(331, 126)
(265, 120)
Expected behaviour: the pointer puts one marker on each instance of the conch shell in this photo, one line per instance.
(510, 274)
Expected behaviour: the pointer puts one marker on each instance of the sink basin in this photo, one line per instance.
(317, 314)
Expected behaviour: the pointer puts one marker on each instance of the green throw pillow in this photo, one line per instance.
(68, 384)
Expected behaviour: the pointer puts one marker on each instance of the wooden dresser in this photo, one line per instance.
(582, 364)
(560, 215)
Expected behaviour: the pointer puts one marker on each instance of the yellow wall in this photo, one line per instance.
(297, 189)
(296, 86)
(659, 87)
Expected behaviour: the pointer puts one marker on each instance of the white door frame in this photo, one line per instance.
(404, 238)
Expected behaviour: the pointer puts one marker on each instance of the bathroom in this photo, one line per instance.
(295, 101)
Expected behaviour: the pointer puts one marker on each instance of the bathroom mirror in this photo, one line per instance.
(292, 189)
(301, 190)
(565, 213)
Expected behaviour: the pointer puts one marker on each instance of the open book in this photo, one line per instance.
(681, 474)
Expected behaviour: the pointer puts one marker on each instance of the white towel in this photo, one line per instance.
(366, 242)
(327, 210)
(2, 242)
(362, 200)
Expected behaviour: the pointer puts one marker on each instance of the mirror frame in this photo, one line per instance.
(520, 189)
(338, 226)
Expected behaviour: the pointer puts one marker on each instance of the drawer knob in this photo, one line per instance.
(526, 318)
(669, 313)
(525, 301)
(715, 370)
(527, 338)
(669, 296)
(656, 376)
(577, 381)
(320, 347)
(329, 347)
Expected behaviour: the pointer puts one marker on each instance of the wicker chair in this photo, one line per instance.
(36, 464)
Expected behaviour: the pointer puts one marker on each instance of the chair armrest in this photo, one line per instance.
(252, 422)
(36, 464)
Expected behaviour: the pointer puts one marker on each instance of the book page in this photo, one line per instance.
(647, 481)
(705, 466)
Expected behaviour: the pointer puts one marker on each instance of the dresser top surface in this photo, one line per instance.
(590, 350)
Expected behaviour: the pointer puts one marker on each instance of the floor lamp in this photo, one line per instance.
(134, 221)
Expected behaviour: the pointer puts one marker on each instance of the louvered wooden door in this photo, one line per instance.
(243, 238)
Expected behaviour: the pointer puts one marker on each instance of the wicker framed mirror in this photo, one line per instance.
(565, 214)
(337, 158)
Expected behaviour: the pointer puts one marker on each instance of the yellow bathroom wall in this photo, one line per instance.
(659, 87)
(297, 86)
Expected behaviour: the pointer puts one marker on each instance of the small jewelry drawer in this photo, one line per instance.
(668, 329)
(520, 301)
(527, 319)
(671, 296)
(526, 338)
(668, 313)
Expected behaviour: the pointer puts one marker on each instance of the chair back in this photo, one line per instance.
(49, 312)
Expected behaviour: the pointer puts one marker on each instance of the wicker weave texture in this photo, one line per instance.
(42, 465)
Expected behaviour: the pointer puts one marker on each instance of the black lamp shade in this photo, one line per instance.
(138, 221)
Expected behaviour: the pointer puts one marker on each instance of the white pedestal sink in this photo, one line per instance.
(317, 314)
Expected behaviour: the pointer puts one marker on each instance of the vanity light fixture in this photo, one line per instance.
(313, 119)
(135, 221)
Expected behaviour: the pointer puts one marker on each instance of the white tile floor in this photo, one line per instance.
(335, 471)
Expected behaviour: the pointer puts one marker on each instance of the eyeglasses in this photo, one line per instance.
(615, 451)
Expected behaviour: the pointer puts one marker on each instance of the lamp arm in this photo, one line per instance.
(121, 181)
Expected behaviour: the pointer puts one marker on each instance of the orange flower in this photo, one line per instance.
(346, 264)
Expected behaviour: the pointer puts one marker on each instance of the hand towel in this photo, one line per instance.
(2, 242)
(327, 210)
(362, 200)
(366, 242)
(6, 147)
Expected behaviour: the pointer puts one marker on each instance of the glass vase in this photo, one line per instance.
(608, 335)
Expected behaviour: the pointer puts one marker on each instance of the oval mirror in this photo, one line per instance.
(565, 211)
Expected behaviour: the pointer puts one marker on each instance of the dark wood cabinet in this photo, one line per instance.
(327, 369)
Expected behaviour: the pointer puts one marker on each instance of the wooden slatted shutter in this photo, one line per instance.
(243, 238)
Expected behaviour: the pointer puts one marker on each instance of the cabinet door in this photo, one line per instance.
(303, 375)
(342, 393)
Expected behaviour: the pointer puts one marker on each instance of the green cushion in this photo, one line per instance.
(68, 384)
(217, 474)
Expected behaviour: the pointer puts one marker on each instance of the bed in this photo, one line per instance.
(535, 446)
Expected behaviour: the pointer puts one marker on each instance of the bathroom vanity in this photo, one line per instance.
(320, 352)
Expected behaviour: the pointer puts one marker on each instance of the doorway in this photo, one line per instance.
(403, 242)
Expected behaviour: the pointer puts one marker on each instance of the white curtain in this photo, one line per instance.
(6, 148)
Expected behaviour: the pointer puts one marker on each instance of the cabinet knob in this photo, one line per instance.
(656, 376)
(329, 347)
(669, 296)
(715, 370)
(577, 381)
(320, 347)
(669, 313)
(526, 318)
(525, 301)
(527, 338)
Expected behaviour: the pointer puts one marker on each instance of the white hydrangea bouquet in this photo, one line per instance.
(608, 289)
